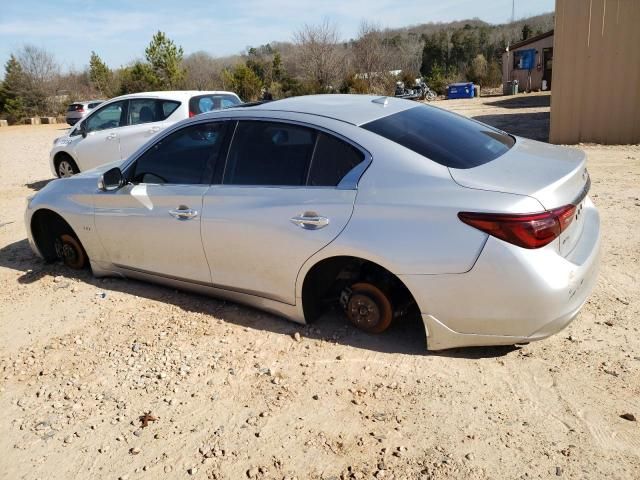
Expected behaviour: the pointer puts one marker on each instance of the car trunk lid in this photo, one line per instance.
(555, 176)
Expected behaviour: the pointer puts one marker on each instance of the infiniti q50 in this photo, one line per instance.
(380, 207)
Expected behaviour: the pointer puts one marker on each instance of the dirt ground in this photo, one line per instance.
(234, 394)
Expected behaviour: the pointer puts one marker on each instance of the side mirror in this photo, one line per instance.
(111, 180)
(83, 129)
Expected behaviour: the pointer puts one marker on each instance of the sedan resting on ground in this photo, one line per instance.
(381, 207)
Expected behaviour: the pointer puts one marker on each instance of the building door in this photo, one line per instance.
(547, 64)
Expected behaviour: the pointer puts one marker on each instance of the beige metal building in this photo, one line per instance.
(529, 62)
(596, 74)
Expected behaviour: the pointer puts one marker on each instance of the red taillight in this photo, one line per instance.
(531, 230)
(191, 114)
(565, 216)
(79, 109)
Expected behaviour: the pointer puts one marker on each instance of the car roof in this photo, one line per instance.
(353, 109)
(173, 95)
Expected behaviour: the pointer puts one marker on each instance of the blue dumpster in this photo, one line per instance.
(460, 90)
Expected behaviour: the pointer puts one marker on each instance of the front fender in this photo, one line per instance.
(76, 208)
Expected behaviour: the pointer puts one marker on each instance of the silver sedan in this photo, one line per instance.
(380, 207)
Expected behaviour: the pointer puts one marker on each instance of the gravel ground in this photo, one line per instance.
(235, 393)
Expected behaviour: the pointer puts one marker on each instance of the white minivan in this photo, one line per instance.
(118, 127)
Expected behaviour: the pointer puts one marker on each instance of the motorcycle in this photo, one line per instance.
(419, 91)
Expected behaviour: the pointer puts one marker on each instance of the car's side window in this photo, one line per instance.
(148, 110)
(269, 153)
(94, 105)
(142, 110)
(167, 107)
(187, 156)
(332, 160)
(109, 116)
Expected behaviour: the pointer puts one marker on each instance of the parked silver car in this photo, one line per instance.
(382, 207)
(77, 111)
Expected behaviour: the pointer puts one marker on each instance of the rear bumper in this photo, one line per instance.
(511, 295)
(73, 117)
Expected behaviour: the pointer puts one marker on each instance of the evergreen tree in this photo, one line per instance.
(100, 76)
(165, 59)
(277, 70)
(12, 103)
(139, 77)
(526, 31)
(242, 80)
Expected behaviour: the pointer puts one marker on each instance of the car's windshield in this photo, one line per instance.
(444, 137)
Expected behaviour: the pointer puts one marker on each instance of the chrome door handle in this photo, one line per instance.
(310, 221)
(111, 136)
(183, 213)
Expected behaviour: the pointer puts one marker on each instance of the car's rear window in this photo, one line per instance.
(444, 137)
(75, 106)
(207, 103)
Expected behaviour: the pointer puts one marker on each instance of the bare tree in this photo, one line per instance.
(39, 64)
(42, 75)
(410, 54)
(204, 72)
(373, 58)
(318, 54)
(201, 71)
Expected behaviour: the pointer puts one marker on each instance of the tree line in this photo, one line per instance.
(316, 61)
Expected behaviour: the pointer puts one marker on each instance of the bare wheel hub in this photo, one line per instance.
(363, 311)
(367, 307)
(68, 249)
(69, 254)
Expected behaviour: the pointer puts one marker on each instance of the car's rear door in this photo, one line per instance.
(152, 225)
(145, 118)
(282, 199)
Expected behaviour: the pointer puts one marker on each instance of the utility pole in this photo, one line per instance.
(513, 10)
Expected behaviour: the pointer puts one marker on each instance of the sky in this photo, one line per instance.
(119, 30)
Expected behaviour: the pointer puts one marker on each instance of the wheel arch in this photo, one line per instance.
(319, 274)
(61, 155)
(45, 224)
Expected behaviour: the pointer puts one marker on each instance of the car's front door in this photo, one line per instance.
(278, 205)
(152, 224)
(145, 118)
(101, 145)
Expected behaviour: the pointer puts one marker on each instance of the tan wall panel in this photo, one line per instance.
(596, 72)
